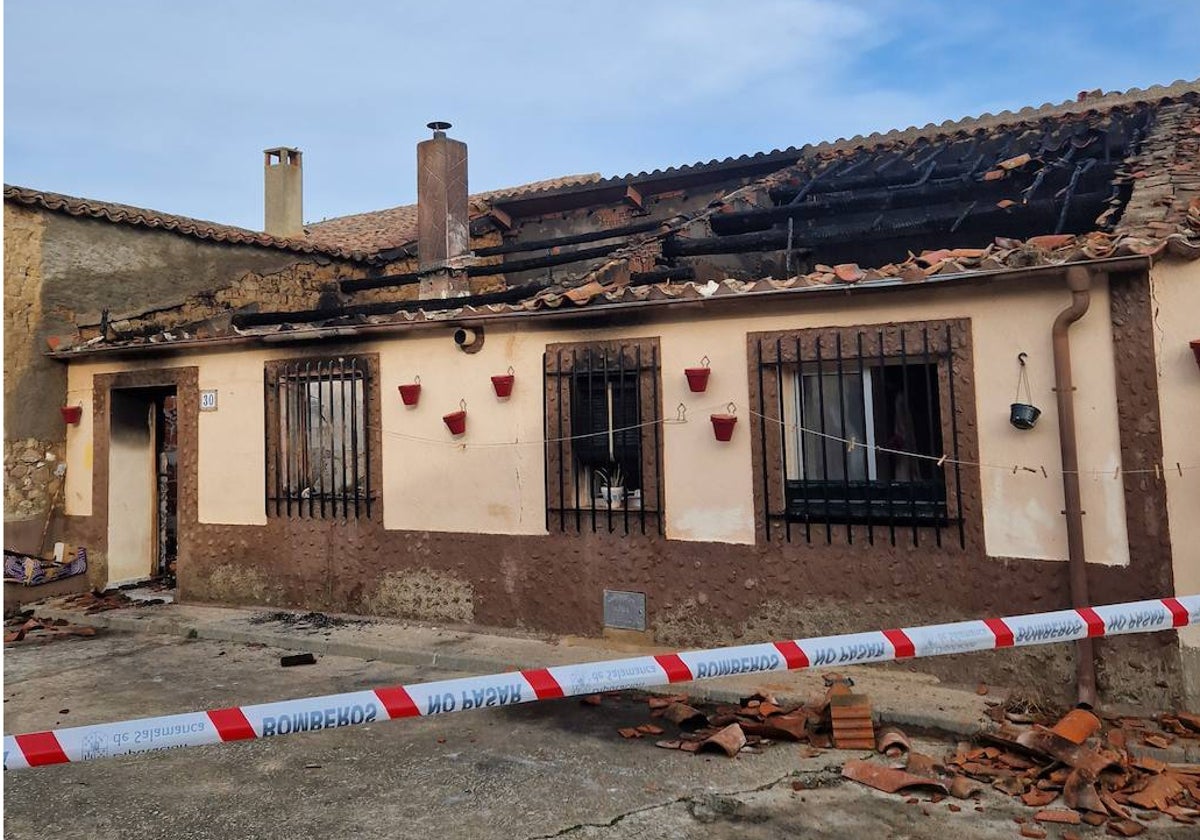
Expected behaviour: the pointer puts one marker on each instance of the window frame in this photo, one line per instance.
(775, 357)
(568, 506)
(361, 502)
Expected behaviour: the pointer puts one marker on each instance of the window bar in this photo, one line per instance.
(621, 379)
(611, 439)
(867, 454)
(591, 363)
(654, 410)
(296, 437)
(962, 539)
(913, 462)
(934, 434)
(320, 463)
(887, 410)
(280, 428)
(546, 380)
(342, 393)
(366, 389)
(576, 469)
(845, 447)
(306, 419)
(787, 520)
(637, 357)
(800, 459)
(354, 423)
(562, 484)
(762, 433)
(822, 440)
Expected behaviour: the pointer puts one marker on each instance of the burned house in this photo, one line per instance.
(771, 396)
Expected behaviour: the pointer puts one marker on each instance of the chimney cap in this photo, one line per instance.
(438, 125)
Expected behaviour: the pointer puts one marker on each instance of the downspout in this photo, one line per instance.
(1079, 281)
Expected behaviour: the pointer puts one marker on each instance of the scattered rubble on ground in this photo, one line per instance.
(1070, 769)
(307, 621)
(22, 629)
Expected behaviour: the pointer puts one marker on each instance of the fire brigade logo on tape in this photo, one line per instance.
(95, 745)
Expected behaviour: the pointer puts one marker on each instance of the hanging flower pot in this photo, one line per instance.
(72, 414)
(504, 383)
(697, 377)
(1023, 415)
(411, 393)
(456, 421)
(1195, 345)
(723, 424)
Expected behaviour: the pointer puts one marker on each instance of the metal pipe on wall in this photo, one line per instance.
(1079, 281)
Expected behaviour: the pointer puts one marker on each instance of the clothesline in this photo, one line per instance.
(1159, 470)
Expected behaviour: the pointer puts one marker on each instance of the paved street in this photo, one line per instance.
(540, 770)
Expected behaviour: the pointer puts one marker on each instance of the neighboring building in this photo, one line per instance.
(861, 306)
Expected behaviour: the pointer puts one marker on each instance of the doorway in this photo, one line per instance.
(142, 485)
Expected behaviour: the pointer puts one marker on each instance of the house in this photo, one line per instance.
(762, 397)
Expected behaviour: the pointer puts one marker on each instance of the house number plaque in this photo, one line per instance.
(208, 400)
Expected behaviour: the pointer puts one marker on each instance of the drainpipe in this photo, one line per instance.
(1079, 281)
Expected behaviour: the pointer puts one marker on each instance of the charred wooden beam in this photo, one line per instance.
(511, 295)
(561, 241)
(770, 240)
(634, 198)
(511, 267)
(515, 266)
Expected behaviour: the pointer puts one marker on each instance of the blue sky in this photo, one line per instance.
(168, 105)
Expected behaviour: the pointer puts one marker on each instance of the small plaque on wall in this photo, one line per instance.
(208, 400)
(624, 610)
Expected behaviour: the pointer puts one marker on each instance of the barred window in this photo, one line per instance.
(858, 427)
(604, 440)
(318, 462)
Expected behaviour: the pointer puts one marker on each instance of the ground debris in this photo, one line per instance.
(307, 621)
(1089, 763)
(22, 630)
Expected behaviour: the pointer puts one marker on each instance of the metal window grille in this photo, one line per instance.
(604, 438)
(853, 424)
(318, 447)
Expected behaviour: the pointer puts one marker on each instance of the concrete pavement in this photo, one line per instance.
(899, 695)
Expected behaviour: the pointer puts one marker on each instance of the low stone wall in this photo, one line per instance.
(30, 479)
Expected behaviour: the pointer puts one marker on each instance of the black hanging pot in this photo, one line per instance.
(1023, 415)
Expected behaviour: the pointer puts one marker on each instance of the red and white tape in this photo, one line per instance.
(238, 723)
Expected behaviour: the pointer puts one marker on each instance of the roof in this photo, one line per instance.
(155, 220)
(395, 227)
(1108, 177)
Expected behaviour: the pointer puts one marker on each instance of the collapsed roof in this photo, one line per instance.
(1104, 176)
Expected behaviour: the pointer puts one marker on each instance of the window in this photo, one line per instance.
(318, 449)
(603, 451)
(858, 431)
(847, 430)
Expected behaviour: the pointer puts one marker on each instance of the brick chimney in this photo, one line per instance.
(443, 233)
(283, 192)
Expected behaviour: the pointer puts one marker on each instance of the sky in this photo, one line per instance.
(168, 105)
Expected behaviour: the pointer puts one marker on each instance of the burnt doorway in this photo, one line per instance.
(143, 485)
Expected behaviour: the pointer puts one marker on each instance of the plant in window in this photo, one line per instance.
(612, 483)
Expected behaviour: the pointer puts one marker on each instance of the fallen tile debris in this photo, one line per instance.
(291, 660)
(22, 630)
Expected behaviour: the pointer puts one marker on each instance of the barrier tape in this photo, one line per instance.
(265, 720)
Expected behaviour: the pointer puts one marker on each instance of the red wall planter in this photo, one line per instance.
(456, 421)
(72, 414)
(697, 378)
(723, 426)
(411, 393)
(504, 383)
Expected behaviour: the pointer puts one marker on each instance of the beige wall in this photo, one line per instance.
(1176, 288)
(433, 482)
